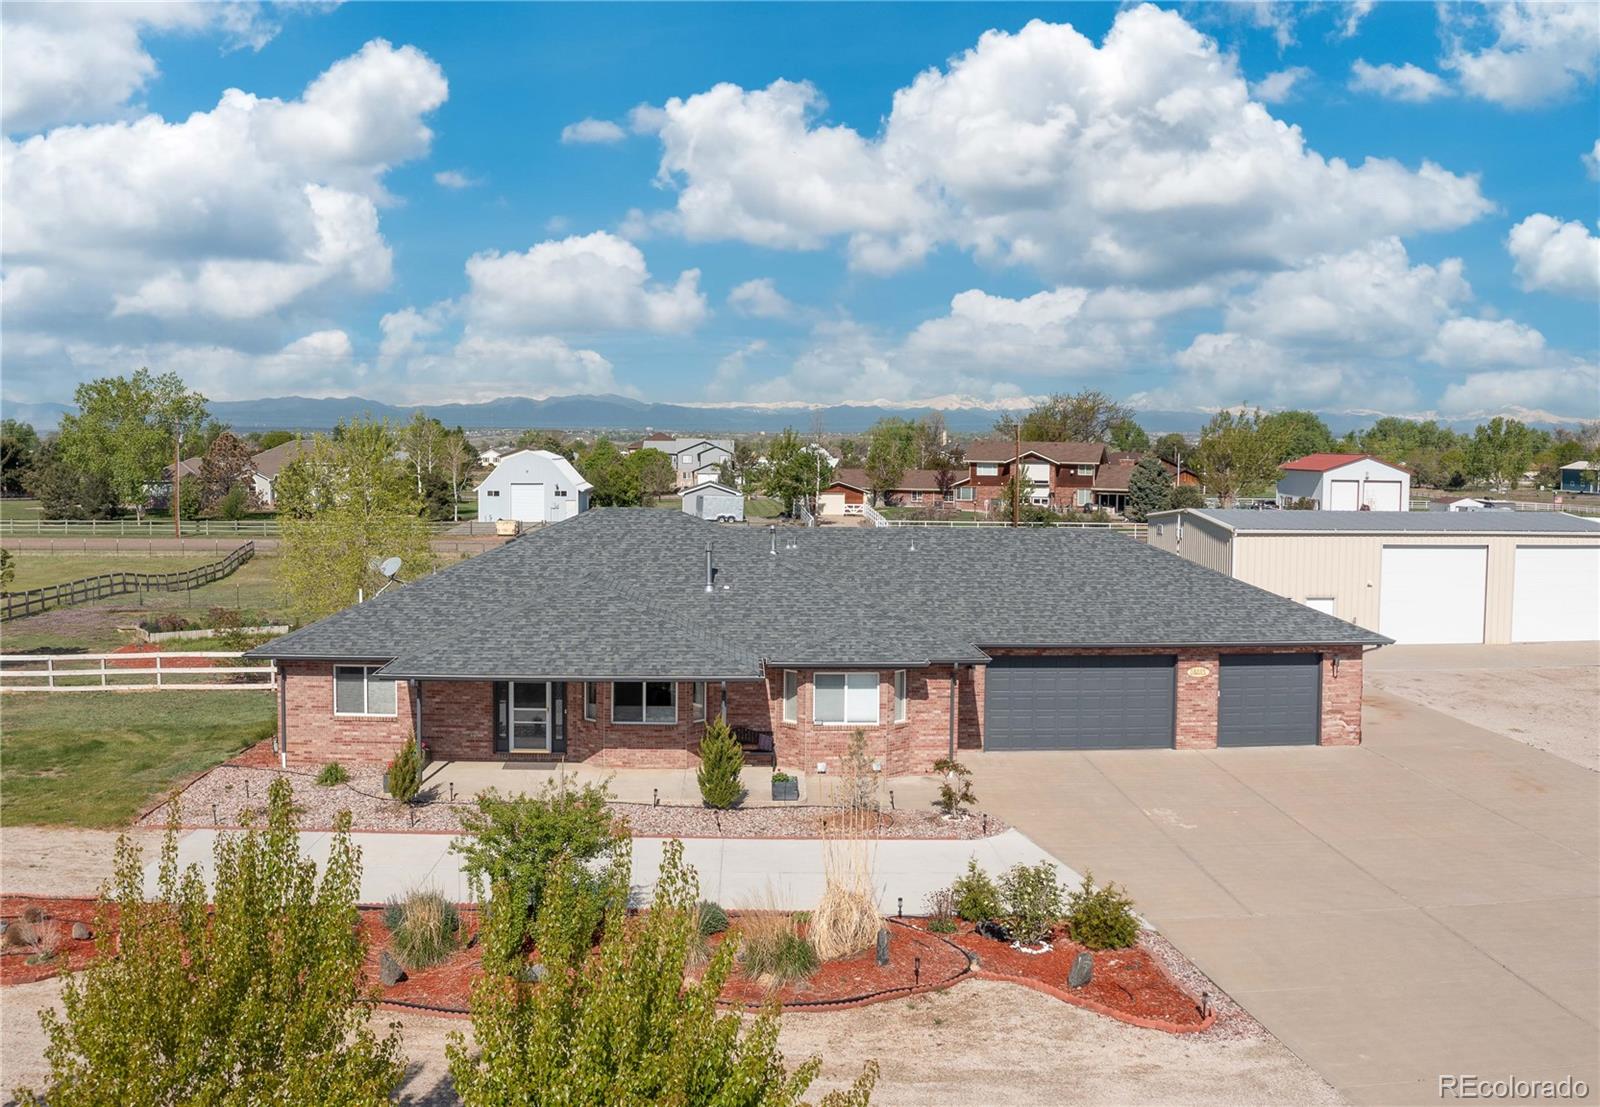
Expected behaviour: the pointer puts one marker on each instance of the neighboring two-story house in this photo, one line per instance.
(694, 460)
(1060, 475)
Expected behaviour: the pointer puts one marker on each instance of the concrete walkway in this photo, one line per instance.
(736, 872)
(1423, 905)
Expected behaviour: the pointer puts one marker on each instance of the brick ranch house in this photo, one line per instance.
(612, 637)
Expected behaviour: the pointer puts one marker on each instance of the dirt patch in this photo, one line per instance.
(59, 861)
(226, 795)
(1551, 709)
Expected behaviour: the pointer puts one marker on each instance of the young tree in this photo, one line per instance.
(746, 458)
(19, 443)
(793, 473)
(1149, 489)
(361, 510)
(886, 465)
(653, 473)
(1235, 455)
(457, 458)
(257, 999)
(1128, 436)
(1086, 416)
(420, 440)
(1501, 449)
(125, 427)
(1298, 433)
(624, 1024)
(1171, 447)
(225, 467)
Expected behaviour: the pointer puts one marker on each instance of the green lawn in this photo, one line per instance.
(759, 507)
(37, 568)
(19, 509)
(97, 759)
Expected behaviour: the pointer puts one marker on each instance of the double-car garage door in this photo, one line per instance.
(1100, 703)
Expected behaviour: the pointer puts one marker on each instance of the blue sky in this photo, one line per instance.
(1351, 207)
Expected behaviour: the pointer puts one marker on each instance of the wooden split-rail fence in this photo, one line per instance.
(14, 605)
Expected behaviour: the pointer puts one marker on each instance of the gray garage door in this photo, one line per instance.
(1270, 699)
(1079, 703)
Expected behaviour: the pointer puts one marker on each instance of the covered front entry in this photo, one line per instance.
(1269, 699)
(530, 716)
(1086, 702)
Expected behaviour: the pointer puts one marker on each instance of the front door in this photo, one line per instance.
(530, 717)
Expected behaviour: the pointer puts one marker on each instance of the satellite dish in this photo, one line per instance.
(388, 567)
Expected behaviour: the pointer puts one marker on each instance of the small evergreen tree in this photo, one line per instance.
(404, 774)
(721, 758)
(622, 1024)
(255, 1000)
(1149, 489)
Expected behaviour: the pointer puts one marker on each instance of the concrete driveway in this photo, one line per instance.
(1423, 905)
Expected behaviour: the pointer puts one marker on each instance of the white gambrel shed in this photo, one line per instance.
(714, 501)
(1345, 482)
(532, 486)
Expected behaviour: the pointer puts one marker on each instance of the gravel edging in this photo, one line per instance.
(1232, 1022)
(230, 794)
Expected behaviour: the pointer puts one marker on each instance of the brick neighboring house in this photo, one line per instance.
(1111, 478)
(849, 489)
(1061, 474)
(612, 637)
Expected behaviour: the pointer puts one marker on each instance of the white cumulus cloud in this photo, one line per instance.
(1278, 86)
(1540, 52)
(1467, 343)
(760, 299)
(1553, 256)
(583, 283)
(1141, 160)
(592, 132)
(1397, 82)
(455, 179)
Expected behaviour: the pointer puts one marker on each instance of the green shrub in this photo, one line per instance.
(1101, 918)
(713, 919)
(509, 844)
(224, 618)
(976, 897)
(721, 758)
(422, 928)
(332, 773)
(770, 944)
(941, 907)
(235, 505)
(1032, 896)
(942, 926)
(781, 777)
(404, 774)
(955, 790)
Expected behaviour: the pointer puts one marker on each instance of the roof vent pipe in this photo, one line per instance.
(709, 588)
(772, 532)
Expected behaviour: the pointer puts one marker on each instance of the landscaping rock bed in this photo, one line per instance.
(62, 917)
(230, 793)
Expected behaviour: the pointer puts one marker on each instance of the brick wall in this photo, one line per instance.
(1341, 696)
(458, 719)
(315, 735)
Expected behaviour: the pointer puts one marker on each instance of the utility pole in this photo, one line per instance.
(177, 483)
(1016, 478)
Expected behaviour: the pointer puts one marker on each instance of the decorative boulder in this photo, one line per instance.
(883, 945)
(1082, 970)
(534, 973)
(989, 928)
(389, 971)
(80, 932)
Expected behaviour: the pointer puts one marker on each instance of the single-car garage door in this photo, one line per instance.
(1555, 594)
(1079, 703)
(1432, 594)
(1269, 699)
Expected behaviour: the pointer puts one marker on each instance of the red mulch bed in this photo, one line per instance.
(258, 756)
(917, 961)
(1126, 982)
(166, 662)
(71, 954)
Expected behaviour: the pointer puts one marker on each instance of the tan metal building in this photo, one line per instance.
(1415, 576)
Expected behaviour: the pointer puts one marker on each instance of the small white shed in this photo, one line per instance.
(714, 501)
(1345, 482)
(532, 486)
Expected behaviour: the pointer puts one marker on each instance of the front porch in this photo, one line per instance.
(462, 780)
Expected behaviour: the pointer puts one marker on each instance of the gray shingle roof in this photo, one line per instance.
(1403, 522)
(621, 593)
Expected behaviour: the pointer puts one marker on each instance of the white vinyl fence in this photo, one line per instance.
(134, 672)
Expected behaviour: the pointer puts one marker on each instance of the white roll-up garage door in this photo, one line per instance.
(1555, 594)
(1384, 495)
(1432, 594)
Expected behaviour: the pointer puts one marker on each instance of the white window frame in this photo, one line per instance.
(1083, 470)
(986, 468)
(901, 705)
(591, 701)
(644, 706)
(366, 682)
(847, 674)
(966, 492)
(697, 702)
(791, 696)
